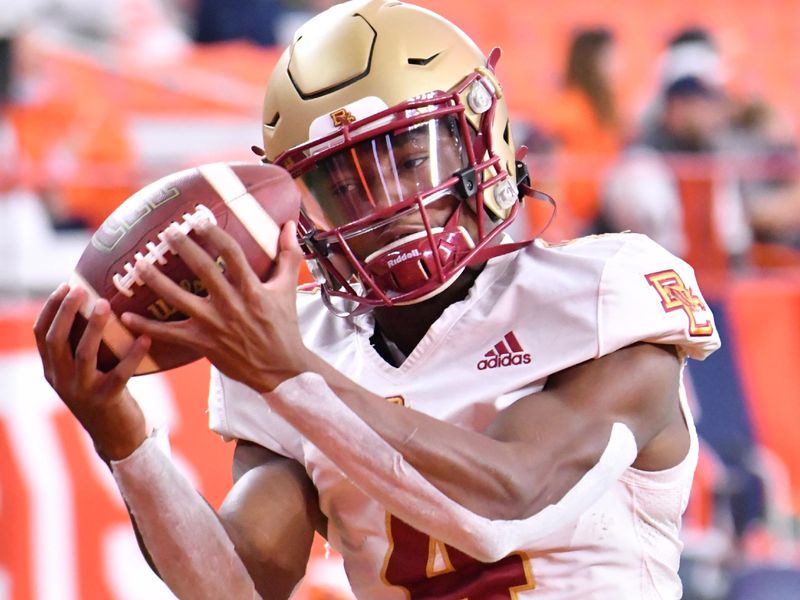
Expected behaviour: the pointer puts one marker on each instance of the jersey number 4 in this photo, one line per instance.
(430, 570)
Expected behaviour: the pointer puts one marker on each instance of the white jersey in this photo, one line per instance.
(528, 315)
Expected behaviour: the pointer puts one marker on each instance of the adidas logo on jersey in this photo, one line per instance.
(506, 353)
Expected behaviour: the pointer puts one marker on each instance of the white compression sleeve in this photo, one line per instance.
(382, 472)
(189, 546)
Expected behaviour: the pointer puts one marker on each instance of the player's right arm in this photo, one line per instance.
(270, 514)
(259, 545)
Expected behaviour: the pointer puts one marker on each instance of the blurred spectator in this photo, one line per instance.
(586, 125)
(693, 117)
(73, 143)
(6, 58)
(763, 147)
(691, 52)
(222, 20)
(15, 17)
(74, 146)
(672, 185)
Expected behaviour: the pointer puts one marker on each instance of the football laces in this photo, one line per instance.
(156, 252)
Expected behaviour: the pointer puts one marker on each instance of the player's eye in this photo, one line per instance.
(413, 162)
(344, 189)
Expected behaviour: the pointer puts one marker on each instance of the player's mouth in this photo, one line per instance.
(396, 231)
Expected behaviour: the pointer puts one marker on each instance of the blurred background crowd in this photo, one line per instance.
(675, 118)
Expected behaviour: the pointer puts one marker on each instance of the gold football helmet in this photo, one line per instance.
(395, 124)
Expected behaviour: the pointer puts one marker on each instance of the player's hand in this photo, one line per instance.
(100, 401)
(246, 328)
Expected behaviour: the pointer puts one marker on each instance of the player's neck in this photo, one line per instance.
(407, 325)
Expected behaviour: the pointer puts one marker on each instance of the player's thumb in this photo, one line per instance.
(290, 254)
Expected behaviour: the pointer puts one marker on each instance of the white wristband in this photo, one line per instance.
(370, 462)
(183, 535)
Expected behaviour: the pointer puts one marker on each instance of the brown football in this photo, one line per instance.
(249, 201)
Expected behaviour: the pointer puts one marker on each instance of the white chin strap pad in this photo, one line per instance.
(381, 472)
(190, 548)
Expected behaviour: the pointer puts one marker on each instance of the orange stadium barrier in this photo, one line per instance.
(65, 532)
(765, 315)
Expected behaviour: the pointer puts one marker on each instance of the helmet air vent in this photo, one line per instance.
(273, 121)
(421, 62)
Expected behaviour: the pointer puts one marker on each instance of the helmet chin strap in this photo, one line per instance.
(489, 252)
(345, 308)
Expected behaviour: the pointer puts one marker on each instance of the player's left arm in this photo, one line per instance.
(538, 448)
(541, 463)
(543, 460)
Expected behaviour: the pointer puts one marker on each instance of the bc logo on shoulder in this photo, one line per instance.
(676, 296)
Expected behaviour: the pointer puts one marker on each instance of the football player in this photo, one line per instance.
(460, 415)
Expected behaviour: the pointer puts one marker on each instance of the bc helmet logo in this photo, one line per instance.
(342, 117)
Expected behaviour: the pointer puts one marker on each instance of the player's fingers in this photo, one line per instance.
(89, 344)
(46, 316)
(169, 291)
(197, 259)
(175, 332)
(57, 336)
(290, 256)
(236, 267)
(126, 367)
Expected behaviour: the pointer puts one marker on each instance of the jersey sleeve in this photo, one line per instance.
(648, 294)
(236, 411)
